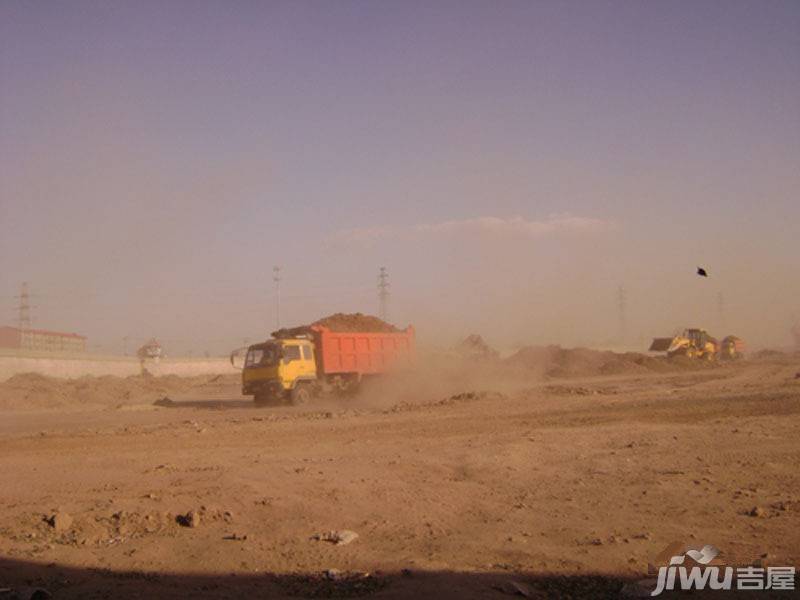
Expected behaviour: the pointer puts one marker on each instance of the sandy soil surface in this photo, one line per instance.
(487, 487)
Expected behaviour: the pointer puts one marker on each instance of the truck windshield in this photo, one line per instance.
(262, 357)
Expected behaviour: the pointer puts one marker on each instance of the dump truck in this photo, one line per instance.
(298, 367)
(697, 343)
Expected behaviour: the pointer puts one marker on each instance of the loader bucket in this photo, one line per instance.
(661, 344)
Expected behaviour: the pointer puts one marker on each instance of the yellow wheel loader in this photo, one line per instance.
(692, 343)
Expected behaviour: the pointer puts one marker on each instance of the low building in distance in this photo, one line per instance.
(41, 340)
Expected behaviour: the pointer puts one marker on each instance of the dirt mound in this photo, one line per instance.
(352, 322)
(555, 361)
(32, 391)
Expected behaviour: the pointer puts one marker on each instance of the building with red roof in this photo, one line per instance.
(41, 340)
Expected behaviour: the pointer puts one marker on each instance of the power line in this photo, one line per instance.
(383, 293)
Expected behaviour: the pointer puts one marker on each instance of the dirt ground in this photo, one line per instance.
(487, 486)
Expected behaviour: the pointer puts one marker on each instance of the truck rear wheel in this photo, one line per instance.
(300, 395)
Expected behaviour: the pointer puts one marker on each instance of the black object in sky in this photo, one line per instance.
(702, 272)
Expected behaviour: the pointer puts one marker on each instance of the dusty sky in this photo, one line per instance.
(511, 164)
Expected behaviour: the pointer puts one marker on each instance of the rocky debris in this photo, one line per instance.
(236, 537)
(514, 588)
(190, 519)
(204, 514)
(757, 511)
(568, 390)
(565, 586)
(782, 505)
(334, 574)
(331, 583)
(449, 401)
(557, 362)
(340, 322)
(60, 521)
(93, 528)
(340, 537)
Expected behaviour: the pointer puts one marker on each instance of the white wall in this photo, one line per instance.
(70, 366)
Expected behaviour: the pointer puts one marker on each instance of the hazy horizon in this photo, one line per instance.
(511, 165)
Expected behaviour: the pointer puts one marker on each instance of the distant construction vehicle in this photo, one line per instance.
(731, 348)
(151, 350)
(297, 365)
(697, 343)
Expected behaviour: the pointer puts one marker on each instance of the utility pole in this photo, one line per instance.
(24, 307)
(383, 293)
(622, 306)
(24, 314)
(276, 277)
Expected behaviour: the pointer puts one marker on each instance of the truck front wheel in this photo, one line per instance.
(300, 395)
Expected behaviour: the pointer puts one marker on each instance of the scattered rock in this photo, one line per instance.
(781, 506)
(190, 519)
(59, 521)
(331, 583)
(514, 588)
(757, 511)
(237, 537)
(339, 537)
